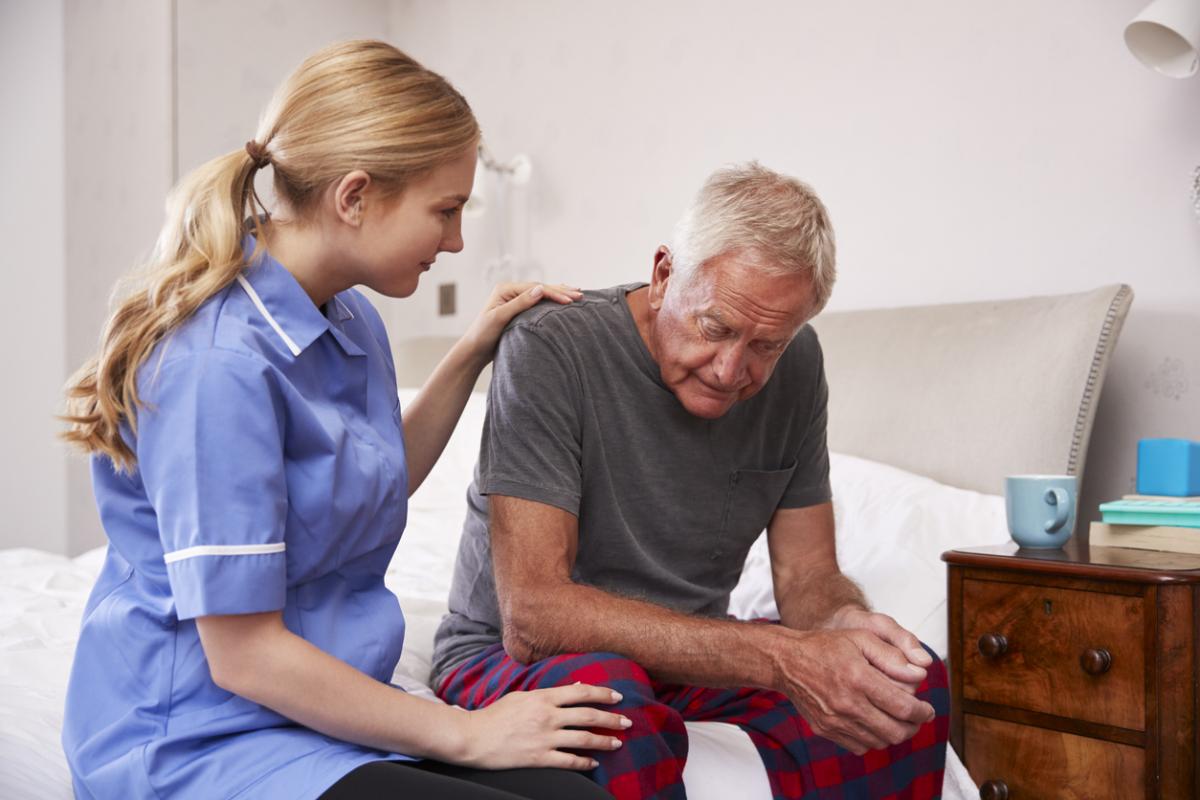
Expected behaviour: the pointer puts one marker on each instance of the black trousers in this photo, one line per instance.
(432, 780)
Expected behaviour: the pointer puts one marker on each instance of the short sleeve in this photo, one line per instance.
(809, 485)
(532, 445)
(210, 455)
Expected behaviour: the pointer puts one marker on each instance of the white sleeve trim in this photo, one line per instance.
(224, 550)
(262, 309)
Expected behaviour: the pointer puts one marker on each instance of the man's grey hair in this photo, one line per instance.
(777, 220)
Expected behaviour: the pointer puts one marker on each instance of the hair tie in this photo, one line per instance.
(258, 153)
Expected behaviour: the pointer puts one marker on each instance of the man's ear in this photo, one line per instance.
(664, 267)
(350, 197)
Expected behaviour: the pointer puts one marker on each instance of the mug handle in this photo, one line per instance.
(1057, 498)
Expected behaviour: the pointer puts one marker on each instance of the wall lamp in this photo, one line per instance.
(1166, 36)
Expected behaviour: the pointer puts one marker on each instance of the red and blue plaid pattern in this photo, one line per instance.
(799, 763)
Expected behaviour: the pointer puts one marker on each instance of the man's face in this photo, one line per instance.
(718, 337)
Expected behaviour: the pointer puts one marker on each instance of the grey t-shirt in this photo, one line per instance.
(668, 503)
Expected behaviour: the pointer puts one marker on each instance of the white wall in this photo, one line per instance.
(233, 53)
(105, 102)
(965, 150)
(33, 326)
(118, 157)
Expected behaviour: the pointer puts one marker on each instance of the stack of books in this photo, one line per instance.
(1146, 522)
(1165, 514)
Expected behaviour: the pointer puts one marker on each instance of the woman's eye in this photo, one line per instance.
(449, 213)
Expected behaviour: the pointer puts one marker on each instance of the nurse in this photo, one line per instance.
(252, 474)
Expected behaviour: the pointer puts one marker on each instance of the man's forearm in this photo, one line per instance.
(671, 646)
(811, 601)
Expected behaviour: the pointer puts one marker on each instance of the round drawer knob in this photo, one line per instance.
(1095, 661)
(993, 645)
(995, 789)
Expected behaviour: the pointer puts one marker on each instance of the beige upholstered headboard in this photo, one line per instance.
(970, 392)
(416, 358)
(965, 393)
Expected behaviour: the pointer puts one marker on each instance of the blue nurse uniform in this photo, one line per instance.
(270, 476)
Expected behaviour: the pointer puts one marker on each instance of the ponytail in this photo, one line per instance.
(198, 253)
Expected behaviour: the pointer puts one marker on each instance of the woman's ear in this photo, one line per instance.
(659, 277)
(350, 197)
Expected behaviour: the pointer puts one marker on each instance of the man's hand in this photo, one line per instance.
(890, 631)
(840, 682)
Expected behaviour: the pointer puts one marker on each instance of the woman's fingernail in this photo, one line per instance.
(615, 743)
(538, 290)
(595, 763)
(617, 697)
(626, 722)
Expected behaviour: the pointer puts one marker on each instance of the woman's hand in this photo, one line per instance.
(506, 301)
(527, 729)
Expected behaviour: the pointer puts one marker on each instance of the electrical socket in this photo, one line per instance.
(447, 299)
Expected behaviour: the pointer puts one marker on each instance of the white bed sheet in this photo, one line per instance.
(41, 600)
(42, 597)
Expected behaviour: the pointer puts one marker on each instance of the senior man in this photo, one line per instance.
(636, 444)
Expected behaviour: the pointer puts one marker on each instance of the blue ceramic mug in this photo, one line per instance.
(1040, 509)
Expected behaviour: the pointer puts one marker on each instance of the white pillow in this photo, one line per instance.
(892, 528)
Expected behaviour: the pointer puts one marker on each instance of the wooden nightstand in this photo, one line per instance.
(1073, 674)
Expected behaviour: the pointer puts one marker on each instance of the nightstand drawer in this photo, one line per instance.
(1070, 653)
(1037, 763)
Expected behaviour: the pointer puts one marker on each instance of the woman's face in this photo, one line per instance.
(400, 237)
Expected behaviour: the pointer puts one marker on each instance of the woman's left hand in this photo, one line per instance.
(506, 301)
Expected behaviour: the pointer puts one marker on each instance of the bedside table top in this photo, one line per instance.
(1109, 563)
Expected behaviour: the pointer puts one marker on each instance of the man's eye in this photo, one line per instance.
(713, 331)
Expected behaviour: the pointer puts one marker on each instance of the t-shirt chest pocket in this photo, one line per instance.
(750, 499)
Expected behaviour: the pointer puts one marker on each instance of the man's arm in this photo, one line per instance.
(545, 613)
(827, 674)
(430, 420)
(811, 591)
(809, 587)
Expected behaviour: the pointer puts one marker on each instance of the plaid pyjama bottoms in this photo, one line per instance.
(799, 763)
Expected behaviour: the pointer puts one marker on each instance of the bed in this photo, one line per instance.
(930, 409)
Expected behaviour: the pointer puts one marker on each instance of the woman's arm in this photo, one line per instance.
(257, 657)
(430, 418)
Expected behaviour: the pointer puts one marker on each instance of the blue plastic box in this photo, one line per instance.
(1169, 467)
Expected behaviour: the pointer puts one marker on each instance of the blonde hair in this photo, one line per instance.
(777, 219)
(352, 105)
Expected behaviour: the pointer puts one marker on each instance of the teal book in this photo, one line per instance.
(1172, 513)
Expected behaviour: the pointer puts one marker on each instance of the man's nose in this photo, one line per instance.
(729, 367)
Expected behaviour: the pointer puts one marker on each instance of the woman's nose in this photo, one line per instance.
(452, 240)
